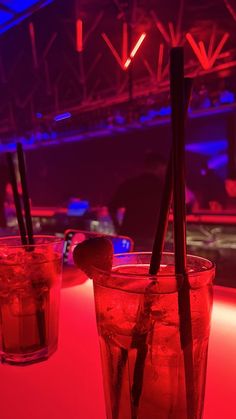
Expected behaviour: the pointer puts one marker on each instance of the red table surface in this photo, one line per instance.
(69, 385)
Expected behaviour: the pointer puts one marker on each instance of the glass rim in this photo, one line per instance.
(51, 240)
(159, 275)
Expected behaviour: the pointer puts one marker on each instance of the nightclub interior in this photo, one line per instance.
(88, 122)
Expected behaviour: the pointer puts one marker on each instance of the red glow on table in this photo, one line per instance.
(69, 385)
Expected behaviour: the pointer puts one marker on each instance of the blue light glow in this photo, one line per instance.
(165, 111)
(19, 5)
(17, 10)
(151, 114)
(77, 207)
(227, 97)
(5, 16)
(207, 147)
(121, 245)
(218, 161)
(62, 116)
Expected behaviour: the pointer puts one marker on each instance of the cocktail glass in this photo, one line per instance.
(30, 281)
(138, 327)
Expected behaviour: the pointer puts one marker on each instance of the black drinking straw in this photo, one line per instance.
(26, 201)
(28, 221)
(16, 197)
(141, 343)
(178, 128)
(29, 227)
(159, 239)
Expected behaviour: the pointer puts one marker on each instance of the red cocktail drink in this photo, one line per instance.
(138, 326)
(30, 281)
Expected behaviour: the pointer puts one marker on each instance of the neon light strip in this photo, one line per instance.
(165, 71)
(204, 54)
(113, 50)
(230, 9)
(125, 42)
(172, 34)
(33, 45)
(62, 116)
(134, 50)
(212, 42)
(179, 22)
(79, 35)
(160, 27)
(162, 30)
(49, 45)
(149, 69)
(127, 63)
(138, 45)
(219, 48)
(160, 62)
(196, 49)
(225, 54)
(218, 161)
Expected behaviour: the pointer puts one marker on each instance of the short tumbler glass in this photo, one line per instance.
(30, 282)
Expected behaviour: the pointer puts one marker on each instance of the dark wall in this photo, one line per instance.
(92, 168)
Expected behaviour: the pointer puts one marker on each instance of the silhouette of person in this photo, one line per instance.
(140, 198)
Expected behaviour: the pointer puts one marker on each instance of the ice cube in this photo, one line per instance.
(14, 258)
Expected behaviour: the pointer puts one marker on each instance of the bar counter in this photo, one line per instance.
(69, 384)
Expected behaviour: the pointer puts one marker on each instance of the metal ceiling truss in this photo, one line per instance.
(97, 65)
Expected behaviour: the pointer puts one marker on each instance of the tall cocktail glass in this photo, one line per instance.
(30, 281)
(138, 326)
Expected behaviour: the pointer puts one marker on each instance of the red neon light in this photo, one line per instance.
(33, 44)
(160, 62)
(134, 50)
(125, 42)
(204, 54)
(219, 48)
(174, 41)
(137, 45)
(207, 60)
(179, 22)
(225, 54)
(162, 30)
(149, 69)
(160, 27)
(196, 50)
(125, 64)
(113, 50)
(230, 9)
(172, 38)
(212, 42)
(225, 66)
(79, 35)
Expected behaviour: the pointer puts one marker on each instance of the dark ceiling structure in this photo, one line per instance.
(80, 60)
(12, 12)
